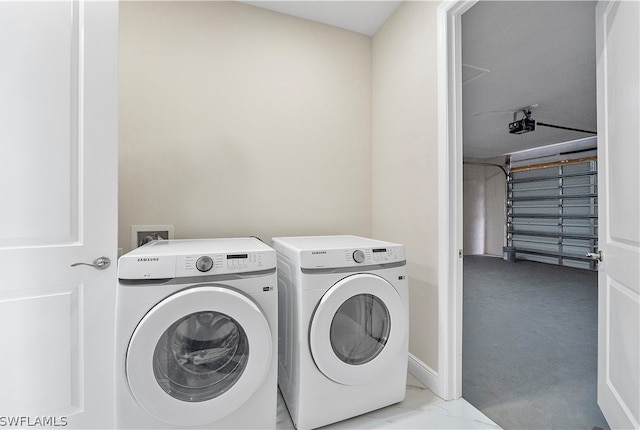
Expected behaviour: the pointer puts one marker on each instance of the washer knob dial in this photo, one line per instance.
(204, 264)
(358, 256)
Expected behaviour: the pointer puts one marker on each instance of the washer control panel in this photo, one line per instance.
(165, 259)
(217, 264)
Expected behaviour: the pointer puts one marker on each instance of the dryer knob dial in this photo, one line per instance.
(204, 264)
(358, 256)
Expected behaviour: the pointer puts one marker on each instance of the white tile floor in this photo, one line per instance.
(421, 409)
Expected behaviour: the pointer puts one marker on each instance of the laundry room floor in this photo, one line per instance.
(421, 409)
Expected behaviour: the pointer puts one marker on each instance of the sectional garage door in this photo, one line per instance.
(552, 212)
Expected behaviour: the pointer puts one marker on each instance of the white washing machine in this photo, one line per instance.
(343, 304)
(196, 335)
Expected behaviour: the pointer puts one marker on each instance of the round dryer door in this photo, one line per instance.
(358, 329)
(198, 355)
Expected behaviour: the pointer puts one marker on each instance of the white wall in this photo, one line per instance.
(484, 222)
(405, 169)
(495, 209)
(473, 205)
(238, 121)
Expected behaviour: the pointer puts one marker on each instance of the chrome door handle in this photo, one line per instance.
(597, 256)
(99, 263)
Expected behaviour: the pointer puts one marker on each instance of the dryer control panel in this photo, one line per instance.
(350, 257)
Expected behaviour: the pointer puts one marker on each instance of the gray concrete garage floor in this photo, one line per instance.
(529, 351)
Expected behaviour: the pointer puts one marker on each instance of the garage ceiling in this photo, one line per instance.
(536, 53)
(516, 54)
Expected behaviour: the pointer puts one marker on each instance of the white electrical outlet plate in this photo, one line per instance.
(139, 232)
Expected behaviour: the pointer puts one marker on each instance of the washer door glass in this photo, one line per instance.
(360, 329)
(200, 356)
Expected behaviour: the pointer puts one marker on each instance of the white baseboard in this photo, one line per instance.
(425, 374)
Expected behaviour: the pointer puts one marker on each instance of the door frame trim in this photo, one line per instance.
(449, 45)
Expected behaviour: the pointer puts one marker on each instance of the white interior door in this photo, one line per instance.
(58, 182)
(618, 24)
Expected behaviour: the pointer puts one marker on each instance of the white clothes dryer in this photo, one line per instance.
(196, 342)
(343, 323)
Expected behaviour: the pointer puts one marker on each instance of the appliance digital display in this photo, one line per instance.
(380, 250)
(234, 256)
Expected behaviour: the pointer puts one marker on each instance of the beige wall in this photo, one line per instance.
(237, 121)
(405, 169)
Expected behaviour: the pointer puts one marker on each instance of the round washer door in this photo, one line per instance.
(358, 329)
(198, 355)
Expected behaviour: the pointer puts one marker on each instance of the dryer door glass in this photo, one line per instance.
(360, 329)
(200, 356)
